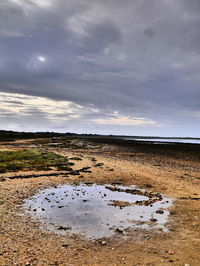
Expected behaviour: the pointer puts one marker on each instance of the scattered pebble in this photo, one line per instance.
(170, 252)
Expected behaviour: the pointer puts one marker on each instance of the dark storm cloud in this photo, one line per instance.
(140, 58)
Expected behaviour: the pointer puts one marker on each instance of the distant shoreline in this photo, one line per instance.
(8, 135)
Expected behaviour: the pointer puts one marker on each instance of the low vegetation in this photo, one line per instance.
(32, 160)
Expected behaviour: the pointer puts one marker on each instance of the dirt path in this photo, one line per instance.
(23, 242)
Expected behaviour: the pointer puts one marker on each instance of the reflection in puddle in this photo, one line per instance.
(96, 211)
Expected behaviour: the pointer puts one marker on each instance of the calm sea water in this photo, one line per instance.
(194, 141)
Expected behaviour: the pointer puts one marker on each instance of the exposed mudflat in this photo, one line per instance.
(25, 241)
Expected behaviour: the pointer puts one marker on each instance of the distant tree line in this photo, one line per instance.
(13, 135)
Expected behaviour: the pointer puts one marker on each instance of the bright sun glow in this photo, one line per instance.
(42, 59)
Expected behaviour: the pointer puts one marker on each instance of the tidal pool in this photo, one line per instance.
(96, 211)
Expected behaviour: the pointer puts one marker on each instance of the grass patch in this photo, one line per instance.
(32, 160)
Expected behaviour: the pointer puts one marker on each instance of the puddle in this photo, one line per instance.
(97, 211)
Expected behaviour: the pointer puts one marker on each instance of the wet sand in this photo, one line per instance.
(24, 242)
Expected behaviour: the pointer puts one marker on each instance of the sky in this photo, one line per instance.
(121, 67)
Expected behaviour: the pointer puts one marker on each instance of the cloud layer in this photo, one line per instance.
(140, 59)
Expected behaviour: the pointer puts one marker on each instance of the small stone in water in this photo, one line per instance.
(63, 228)
(153, 220)
(160, 211)
(118, 230)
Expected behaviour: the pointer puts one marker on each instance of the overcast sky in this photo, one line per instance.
(100, 66)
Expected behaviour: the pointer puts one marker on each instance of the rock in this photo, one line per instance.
(99, 164)
(2, 179)
(88, 183)
(148, 185)
(153, 220)
(170, 252)
(103, 243)
(60, 227)
(74, 173)
(160, 211)
(65, 245)
(118, 230)
(85, 170)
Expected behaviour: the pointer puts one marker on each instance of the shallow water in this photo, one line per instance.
(163, 140)
(89, 210)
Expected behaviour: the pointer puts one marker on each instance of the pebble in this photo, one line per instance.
(64, 245)
(153, 220)
(170, 252)
(160, 211)
(63, 228)
(118, 230)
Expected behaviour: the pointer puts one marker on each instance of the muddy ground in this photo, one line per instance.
(24, 242)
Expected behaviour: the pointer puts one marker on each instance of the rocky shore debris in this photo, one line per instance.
(103, 243)
(76, 172)
(85, 170)
(76, 158)
(152, 196)
(118, 230)
(118, 203)
(64, 228)
(38, 175)
(160, 211)
(99, 165)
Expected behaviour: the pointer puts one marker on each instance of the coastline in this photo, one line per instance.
(24, 242)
